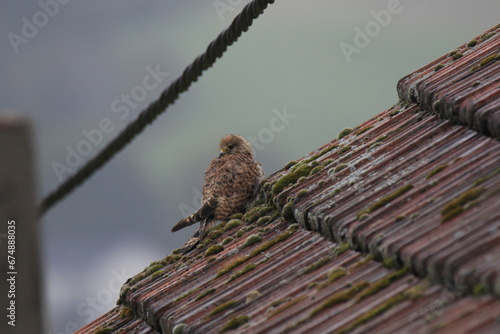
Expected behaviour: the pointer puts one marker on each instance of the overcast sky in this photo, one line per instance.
(82, 70)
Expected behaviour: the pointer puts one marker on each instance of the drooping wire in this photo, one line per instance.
(215, 49)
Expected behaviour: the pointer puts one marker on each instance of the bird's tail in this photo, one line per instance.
(206, 210)
(191, 243)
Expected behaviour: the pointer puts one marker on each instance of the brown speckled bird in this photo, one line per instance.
(230, 185)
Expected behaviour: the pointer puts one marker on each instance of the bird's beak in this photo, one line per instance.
(222, 152)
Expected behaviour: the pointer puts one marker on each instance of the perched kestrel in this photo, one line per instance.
(230, 185)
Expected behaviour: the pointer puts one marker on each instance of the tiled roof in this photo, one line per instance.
(394, 228)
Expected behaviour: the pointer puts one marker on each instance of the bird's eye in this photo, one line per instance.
(230, 147)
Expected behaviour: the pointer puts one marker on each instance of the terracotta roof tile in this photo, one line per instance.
(399, 228)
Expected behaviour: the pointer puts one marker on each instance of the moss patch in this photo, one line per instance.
(485, 61)
(483, 179)
(292, 177)
(189, 293)
(227, 240)
(456, 206)
(364, 130)
(258, 250)
(363, 261)
(382, 283)
(472, 43)
(341, 248)
(479, 289)
(333, 276)
(344, 149)
(344, 133)
(287, 306)
(435, 171)
(104, 330)
(214, 249)
(214, 234)
(385, 200)
(339, 297)
(316, 265)
(438, 67)
(235, 323)
(339, 168)
(251, 240)
(287, 212)
(125, 312)
(235, 262)
(204, 294)
(242, 272)
(221, 308)
(256, 212)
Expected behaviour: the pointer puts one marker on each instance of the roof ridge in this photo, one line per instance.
(461, 86)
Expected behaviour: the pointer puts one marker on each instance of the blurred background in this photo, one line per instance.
(82, 70)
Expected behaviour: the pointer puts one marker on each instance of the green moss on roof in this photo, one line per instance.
(344, 149)
(291, 178)
(316, 265)
(333, 275)
(254, 213)
(363, 261)
(188, 293)
(287, 212)
(179, 329)
(485, 61)
(286, 306)
(483, 179)
(341, 248)
(385, 200)
(479, 289)
(364, 130)
(339, 297)
(125, 312)
(232, 224)
(435, 171)
(457, 205)
(227, 240)
(221, 308)
(215, 234)
(438, 67)
(339, 168)
(256, 251)
(242, 272)
(390, 263)
(251, 240)
(263, 220)
(382, 283)
(234, 323)
(104, 330)
(154, 267)
(214, 249)
(472, 43)
(344, 133)
(204, 294)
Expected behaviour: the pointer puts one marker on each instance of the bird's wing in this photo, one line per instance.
(207, 209)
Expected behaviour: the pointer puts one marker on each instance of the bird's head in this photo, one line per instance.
(234, 144)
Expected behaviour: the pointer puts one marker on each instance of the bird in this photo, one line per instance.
(230, 185)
